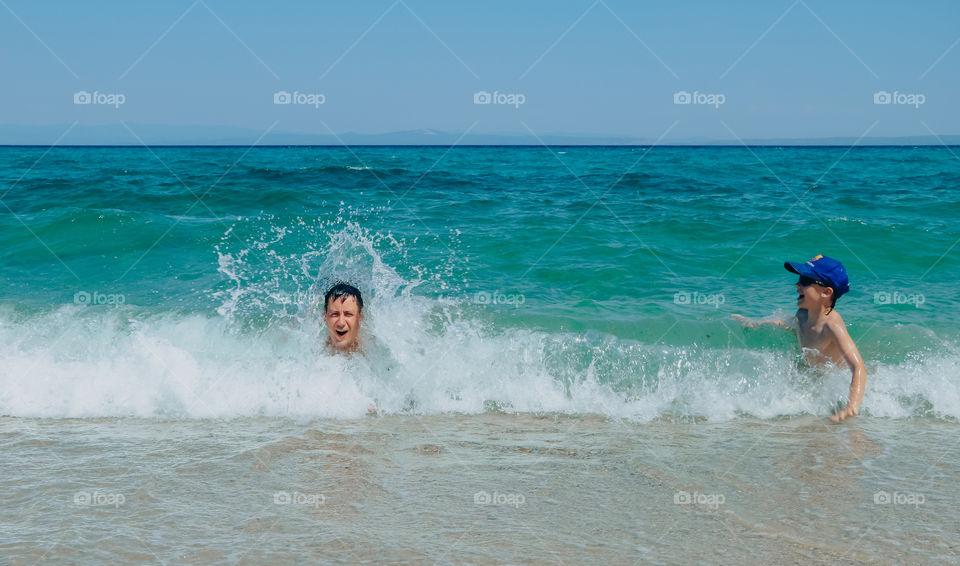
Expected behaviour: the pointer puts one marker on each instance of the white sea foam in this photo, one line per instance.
(260, 353)
(84, 362)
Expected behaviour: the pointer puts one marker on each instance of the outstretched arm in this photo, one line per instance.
(775, 322)
(859, 372)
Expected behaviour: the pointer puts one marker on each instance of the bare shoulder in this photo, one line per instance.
(835, 324)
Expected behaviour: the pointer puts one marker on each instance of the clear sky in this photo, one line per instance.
(782, 68)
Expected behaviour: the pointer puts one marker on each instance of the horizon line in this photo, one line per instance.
(598, 145)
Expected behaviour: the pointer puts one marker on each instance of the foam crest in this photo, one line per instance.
(260, 352)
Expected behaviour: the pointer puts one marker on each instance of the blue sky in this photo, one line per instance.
(784, 69)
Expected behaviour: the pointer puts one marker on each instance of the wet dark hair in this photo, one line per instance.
(341, 290)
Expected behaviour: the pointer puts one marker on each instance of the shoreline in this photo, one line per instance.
(444, 488)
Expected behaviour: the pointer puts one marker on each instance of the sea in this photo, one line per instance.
(552, 370)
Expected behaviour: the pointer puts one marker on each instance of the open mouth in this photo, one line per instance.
(341, 332)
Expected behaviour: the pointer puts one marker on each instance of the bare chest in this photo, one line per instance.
(819, 345)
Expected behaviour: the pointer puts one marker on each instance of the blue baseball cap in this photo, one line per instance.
(825, 269)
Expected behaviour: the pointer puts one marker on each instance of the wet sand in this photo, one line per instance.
(479, 489)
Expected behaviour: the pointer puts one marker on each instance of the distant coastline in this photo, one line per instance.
(485, 146)
(118, 135)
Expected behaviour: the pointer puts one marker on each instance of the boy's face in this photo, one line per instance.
(813, 296)
(343, 318)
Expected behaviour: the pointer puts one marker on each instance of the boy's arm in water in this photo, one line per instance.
(774, 322)
(859, 378)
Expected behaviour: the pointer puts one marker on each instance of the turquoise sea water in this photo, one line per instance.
(557, 375)
(183, 282)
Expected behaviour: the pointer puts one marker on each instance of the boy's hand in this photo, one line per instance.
(845, 413)
(858, 371)
(743, 320)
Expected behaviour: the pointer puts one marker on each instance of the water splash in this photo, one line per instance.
(259, 351)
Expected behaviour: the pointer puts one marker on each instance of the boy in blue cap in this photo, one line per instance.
(821, 330)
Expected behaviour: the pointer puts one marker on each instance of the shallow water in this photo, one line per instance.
(556, 374)
(597, 281)
(478, 489)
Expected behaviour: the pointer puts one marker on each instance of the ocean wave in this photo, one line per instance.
(87, 362)
(352, 171)
(260, 352)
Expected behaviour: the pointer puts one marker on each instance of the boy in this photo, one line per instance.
(343, 313)
(821, 330)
